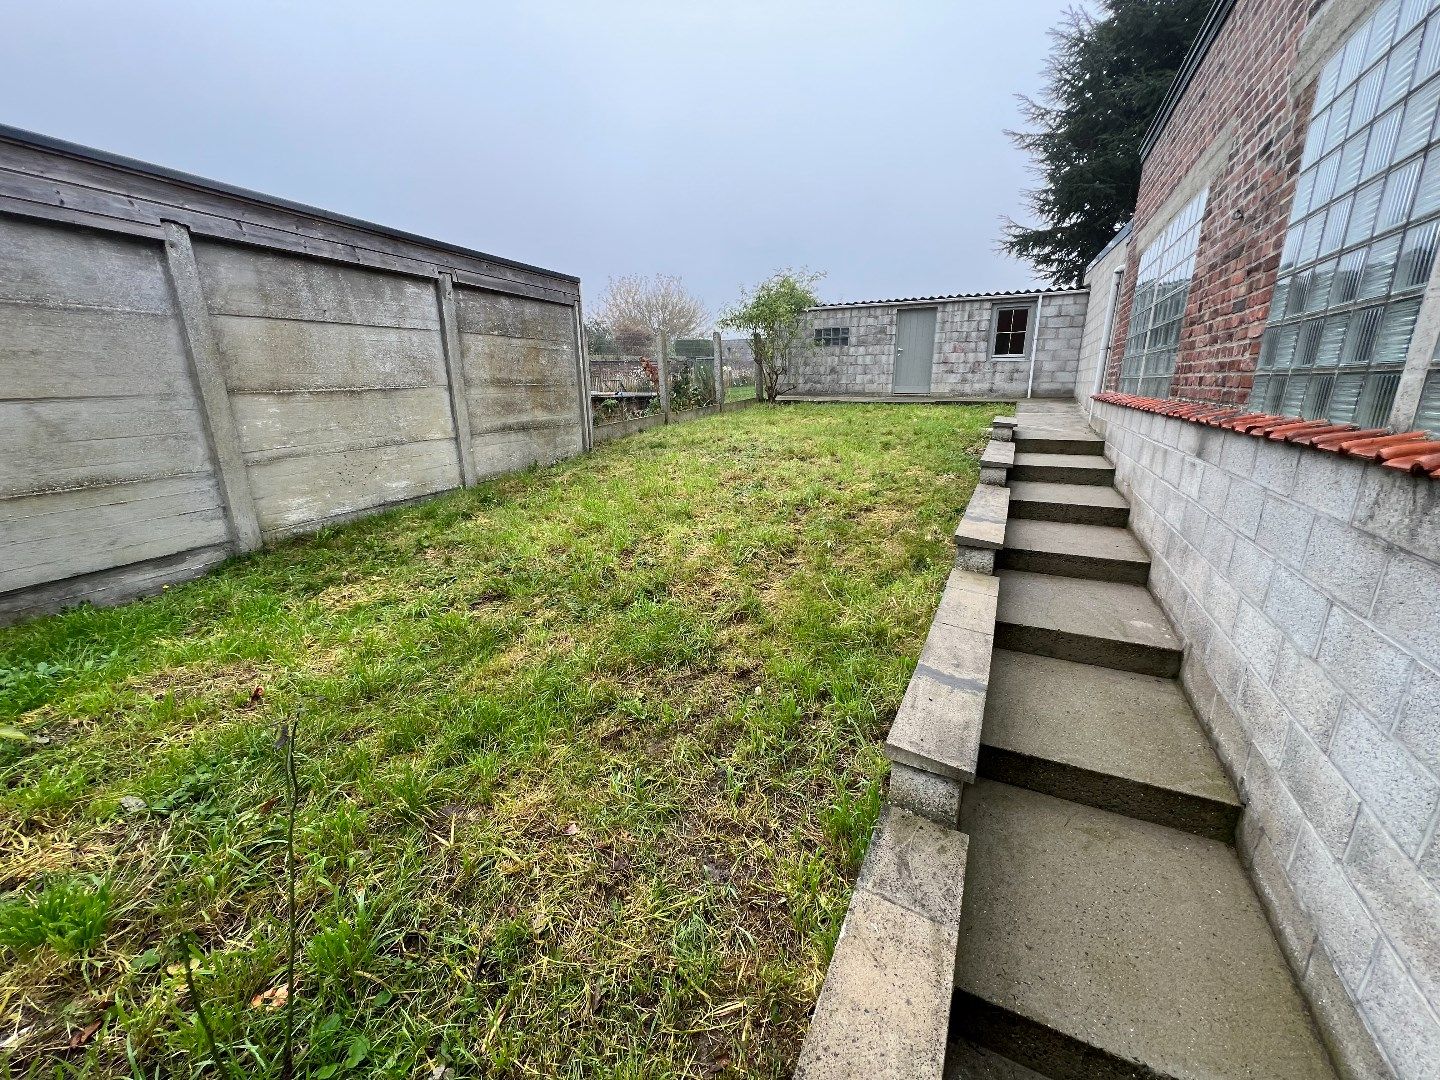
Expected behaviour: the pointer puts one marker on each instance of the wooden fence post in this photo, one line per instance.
(455, 378)
(204, 353)
(663, 368)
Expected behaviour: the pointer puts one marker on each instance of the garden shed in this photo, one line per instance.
(968, 345)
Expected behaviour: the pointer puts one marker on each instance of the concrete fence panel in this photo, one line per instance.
(103, 456)
(188, 368)
(337, 378)
(522, 380)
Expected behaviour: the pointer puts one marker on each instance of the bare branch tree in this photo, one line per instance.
(635, 309)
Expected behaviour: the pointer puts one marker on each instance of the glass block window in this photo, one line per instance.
(1011, 325)
(1162, 285)
(1428, 416)
(1363, 226)
(832, 335)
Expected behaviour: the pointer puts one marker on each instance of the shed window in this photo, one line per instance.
(1011, 326)
(1363, 228)
(832, 335)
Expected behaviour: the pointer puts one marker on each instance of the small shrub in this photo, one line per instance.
(70, 917)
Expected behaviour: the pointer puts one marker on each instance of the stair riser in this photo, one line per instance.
(1104, 652)
(1174, 809)
(1114, 516)
(1064, 474)
(1034, 1045)
(1041, 445)
(1076, 566)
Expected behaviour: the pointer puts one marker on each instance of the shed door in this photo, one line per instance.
(914, 349)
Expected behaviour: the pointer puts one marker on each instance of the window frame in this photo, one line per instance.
(993, 331)
(839, 335)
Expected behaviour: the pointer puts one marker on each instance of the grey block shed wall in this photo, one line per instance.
(1307, 589)
(962, 365)
(185, 369)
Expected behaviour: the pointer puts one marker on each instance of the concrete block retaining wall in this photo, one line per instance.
(188, 369)
(885, 1006)
(962, 365)
(1307, 588)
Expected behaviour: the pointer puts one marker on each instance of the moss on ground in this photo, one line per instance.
(589, 758)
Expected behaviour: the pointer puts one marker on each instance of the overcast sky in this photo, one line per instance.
(714, 140)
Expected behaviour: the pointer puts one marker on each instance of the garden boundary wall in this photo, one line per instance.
(1304, 584)
(188, 369)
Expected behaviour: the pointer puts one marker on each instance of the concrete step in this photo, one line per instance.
(1081, 504)
(1033, 439)
(1099, 552)
(1063, 468)
(1112, 739)
(1096, 946)
(1091, 622)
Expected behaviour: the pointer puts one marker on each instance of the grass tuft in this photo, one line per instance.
(67, 916)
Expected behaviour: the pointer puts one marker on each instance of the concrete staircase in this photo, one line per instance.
(1108, 929)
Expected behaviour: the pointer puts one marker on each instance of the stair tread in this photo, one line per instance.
(1104, 609)
(1035, 459)
(1141, 941)
(1074, 494)
(1060, 440)
(1066, 538)
(1116, 723)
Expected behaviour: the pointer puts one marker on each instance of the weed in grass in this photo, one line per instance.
(589, 760)
(849, 820)
(67, 916)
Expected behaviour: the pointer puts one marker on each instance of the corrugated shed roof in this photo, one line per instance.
(948, 296)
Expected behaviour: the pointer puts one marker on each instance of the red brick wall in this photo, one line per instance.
(1245, 77)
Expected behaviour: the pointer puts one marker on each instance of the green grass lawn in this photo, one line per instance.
(740, 393)
(588, 759)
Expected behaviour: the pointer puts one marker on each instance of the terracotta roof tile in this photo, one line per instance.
(1282, 432)
(1427, 464)
(1335, 441)
(1369, 449)
(1415, 452)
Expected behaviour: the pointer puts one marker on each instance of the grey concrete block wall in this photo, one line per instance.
(1307, 589)
(962, 365)
(1099, 316)
(173, 391)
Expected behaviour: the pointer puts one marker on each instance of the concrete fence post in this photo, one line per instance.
(582, 366)
(719, 370)
(455, 378)
(204, 353)
(662, 365)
